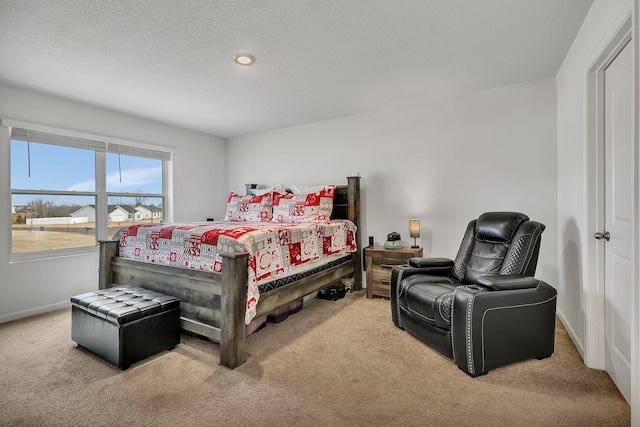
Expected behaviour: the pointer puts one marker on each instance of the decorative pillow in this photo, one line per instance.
(299, 189)
(298, 208)
(249, 208)
(262, 191)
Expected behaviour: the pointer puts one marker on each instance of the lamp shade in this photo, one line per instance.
(414, 228)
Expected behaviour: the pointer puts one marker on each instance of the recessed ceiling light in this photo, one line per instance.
(244, 59)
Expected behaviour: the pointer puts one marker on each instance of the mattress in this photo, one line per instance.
(275, 250)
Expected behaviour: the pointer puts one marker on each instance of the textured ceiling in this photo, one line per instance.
(172, 60)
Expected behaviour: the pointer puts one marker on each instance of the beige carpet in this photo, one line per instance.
(339, 363)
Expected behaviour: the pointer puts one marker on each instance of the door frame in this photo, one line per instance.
(593, 287)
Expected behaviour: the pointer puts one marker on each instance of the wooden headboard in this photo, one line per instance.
(346, 205)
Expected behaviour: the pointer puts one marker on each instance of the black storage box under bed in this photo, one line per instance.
(333, 292)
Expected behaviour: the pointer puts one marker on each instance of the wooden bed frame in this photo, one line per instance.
(213, 304)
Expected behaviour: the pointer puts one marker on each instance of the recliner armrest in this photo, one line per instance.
(508, 282)
(492, 328)
(431, 262)
(427, 266)
(432, 266)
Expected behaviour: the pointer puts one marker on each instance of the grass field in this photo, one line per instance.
(36, 240)
(27, 238)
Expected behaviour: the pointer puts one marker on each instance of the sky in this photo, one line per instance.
(74, 170)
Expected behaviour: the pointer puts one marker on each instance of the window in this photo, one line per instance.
(134, 190)
(69, 192)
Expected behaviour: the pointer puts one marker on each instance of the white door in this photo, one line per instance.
(619, 203)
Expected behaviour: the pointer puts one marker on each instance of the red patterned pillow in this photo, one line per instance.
(249, 208)
(297, 208)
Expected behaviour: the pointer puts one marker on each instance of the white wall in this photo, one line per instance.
(578, 305)
(443, 162)
(600, 24)
(199, 190)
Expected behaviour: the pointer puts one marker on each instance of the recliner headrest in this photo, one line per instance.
(498, 227)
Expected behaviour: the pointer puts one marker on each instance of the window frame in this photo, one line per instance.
(102, 145)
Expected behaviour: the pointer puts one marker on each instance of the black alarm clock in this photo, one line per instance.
(393, 236)
(394, 241)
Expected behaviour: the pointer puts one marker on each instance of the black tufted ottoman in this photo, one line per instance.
(125, 324)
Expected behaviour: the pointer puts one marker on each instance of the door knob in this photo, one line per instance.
(606, 236)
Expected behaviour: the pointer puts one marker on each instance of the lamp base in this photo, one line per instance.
(414, 247)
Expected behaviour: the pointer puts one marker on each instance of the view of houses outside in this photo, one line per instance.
(44, 226)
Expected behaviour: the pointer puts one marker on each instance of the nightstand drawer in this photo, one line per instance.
(382, 277)
(385, 268)
(381, 283)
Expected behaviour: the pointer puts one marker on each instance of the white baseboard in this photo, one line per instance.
(572, 334)
(35, 311)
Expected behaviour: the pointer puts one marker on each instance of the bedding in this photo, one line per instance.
(249, 208)
(274, 249)
(302, 208)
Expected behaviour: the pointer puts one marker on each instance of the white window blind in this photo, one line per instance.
(35, 133)
(138, 152)
(47, 138)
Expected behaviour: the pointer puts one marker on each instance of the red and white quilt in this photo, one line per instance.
(274, 249)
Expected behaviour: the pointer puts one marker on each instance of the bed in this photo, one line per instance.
(214, 303)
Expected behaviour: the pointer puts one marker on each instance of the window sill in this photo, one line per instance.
(52, 254)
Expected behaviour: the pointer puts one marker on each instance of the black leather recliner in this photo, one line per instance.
(484, 309)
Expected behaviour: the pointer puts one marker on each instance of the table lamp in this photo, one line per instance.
(414, 231)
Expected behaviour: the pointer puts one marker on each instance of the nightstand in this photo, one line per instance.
(378, 264)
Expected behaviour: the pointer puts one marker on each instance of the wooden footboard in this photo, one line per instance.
(213, 304)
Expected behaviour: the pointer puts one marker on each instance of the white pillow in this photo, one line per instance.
(262, 191)
(299, 189)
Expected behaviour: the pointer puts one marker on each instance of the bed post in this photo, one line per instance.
(233, 331)
(108, 249)
(353, 213)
